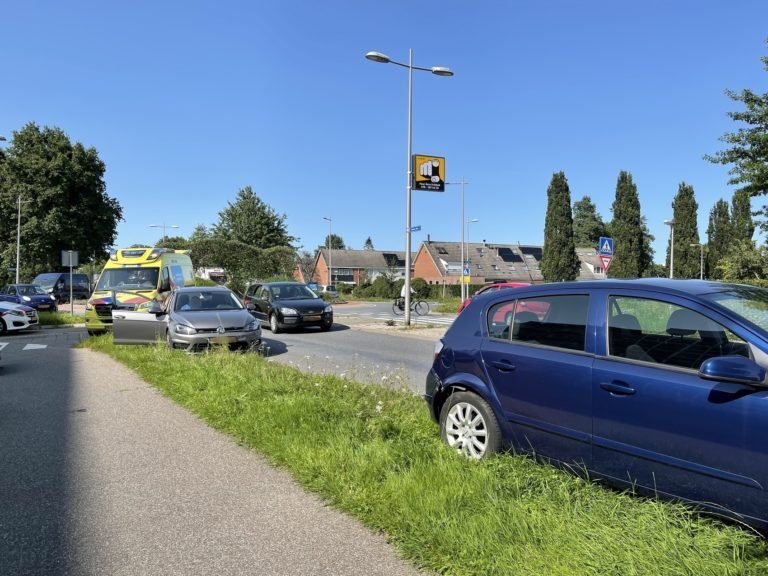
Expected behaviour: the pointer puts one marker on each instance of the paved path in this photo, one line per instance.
(101, 474)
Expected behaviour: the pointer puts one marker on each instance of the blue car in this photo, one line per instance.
(30, 295)
(658, 385)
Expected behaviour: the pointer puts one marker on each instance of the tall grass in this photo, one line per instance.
(374, 453)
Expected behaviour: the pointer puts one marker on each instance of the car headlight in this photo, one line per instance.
(26, 299)
(328, 309)
(184, 329)
(289, 311)
(88, 305)
(54, 299)
(253, 326)
(16, 312)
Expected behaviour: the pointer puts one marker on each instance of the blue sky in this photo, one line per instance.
(189, 101)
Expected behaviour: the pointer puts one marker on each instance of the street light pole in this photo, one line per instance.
(439, 71)
(466, 250)
(701, 262)
(328, 245)
(164, 226)
(671, 224)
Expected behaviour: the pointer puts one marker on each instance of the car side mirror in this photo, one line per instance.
(736, 369)
(155, 308)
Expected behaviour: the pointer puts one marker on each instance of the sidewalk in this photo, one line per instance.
(141, 486)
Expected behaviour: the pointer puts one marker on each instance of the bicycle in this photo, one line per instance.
(419, 306)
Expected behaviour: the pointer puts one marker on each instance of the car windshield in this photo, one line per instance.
(292, 292)
(749, 303)
(206, 300)
(128, 279)
(47, 280)
(31, 290)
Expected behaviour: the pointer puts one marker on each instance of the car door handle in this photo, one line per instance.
(118, 316)
(618, 387)
(503, 365)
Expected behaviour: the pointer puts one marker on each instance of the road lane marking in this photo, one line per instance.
(35, 346)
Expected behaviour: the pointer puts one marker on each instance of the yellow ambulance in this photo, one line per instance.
(132, 278)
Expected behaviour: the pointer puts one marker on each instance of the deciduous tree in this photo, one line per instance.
(747, 153)
(64, 201)
(251, 221)
(588, 226)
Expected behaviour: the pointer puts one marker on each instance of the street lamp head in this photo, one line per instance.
(472, 220)
(669, 222)
(378, 57)
(2, 138)
(326, 218)
(441, 71)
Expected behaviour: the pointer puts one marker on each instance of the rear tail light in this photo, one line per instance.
(438, 349)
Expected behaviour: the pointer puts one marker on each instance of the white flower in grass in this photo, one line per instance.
(379, 407)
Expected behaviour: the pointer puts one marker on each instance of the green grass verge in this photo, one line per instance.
(59, 318)
(374, 453)
(448, 306)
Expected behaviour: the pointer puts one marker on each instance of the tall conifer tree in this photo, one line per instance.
(559, 260)
(741, 216)
(719, 237)
(627, 230)
(684, 210)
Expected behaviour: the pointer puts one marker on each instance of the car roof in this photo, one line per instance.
(282, 283)
(667, 285)
(203, 288)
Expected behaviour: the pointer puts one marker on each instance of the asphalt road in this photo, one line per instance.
(101, 474)
(371, 357)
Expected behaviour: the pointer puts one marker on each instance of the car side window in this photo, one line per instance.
(559, 321)
(264, 293)
(664, 333)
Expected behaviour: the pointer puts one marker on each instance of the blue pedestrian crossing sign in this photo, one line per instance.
(606, 246)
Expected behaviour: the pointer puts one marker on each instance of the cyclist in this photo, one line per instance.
(401, 300)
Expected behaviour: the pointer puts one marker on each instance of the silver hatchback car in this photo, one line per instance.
(192, 319)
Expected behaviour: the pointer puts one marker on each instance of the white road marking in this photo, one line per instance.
(3, 345)
(35, 346)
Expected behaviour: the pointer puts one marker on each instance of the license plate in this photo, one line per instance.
(43, 307)
(223, 339)
(311, 318)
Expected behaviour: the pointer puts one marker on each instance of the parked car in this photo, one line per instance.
(191, 318)
(57, 283)
(655, 385)
(30, 295)
(288, 305)
(329, 289)
(492, 288)
(14, 317)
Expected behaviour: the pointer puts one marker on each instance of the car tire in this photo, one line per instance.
(274, 324)
(469, 426)
(326, 326)
(3, 327)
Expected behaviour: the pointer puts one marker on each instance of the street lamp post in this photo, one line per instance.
(462, 182)
(468, 221)
(671, 224)
(701, 261)
(439, 71)
(328, 246)
(164, 226)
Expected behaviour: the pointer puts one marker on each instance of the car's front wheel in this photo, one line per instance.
(469, 426)
(3, 327)
(274, 324)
